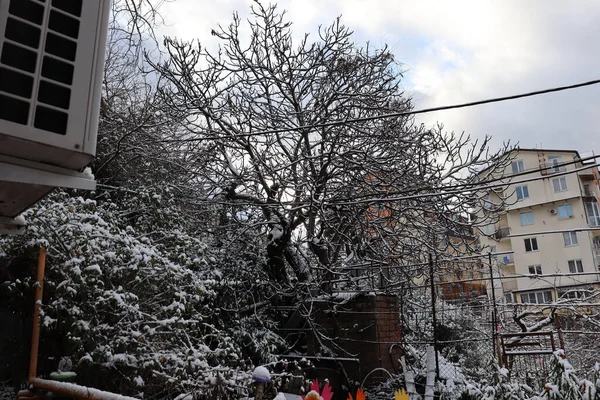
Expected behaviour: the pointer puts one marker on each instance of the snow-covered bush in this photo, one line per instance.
(139, 304)
(561, 384)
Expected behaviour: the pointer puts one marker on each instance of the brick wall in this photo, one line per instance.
(367, 327)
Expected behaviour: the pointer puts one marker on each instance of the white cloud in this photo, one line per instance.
(459, 51)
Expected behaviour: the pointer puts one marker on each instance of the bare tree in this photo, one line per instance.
(327, 196)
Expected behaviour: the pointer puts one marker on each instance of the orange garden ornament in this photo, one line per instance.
(401, 395)
(316, 394)
(360, 395)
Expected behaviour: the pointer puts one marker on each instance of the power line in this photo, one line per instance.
(396, 114)
(433, 109)
(585, 229)
(475, 188)
(466, 187)
(470, 184)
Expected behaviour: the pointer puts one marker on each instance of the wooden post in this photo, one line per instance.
(35, 336)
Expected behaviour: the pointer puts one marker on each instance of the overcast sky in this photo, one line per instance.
(460, 51)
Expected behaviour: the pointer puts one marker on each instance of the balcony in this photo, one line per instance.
(502, 233)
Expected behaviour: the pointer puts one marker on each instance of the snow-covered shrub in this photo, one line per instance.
(499, 388)
(139, 304)
(561, 384)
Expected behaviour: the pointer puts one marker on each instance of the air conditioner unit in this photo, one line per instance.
(51, 67)
(552, 211)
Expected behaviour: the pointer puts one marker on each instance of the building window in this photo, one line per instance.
(593, 213)
(535, 269)
(575, 266)
(560, 184)
(508, 297)
(536, 298)
(489, 229)
(522, 192)
(486, 203)
(526, 218)
(570, 238)
(565, 211)
(531, 244)
(578, 294)
(518, 166)
(554, 161)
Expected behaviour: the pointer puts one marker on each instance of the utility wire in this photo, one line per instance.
(472, 189)
(361, 198)
(432, 109)
(478, 183)
(395, 114)
(469, 187)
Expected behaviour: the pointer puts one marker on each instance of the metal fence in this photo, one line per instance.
(472, 333)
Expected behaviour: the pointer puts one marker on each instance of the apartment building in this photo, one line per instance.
(547, 238)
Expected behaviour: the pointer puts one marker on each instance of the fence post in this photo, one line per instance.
(494, 309)
(434, 315)
(430, 378)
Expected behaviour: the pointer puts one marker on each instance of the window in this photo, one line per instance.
(531, 244)
(486, 203)
(575, 266)
(565, 211)
(526, 218)
(580, 294)
(570, 238)
(522, 192)
(560, 184)
(518, 166)
(587, 190)
(555, 160)
(489, 229)
(535, 269)
(508, 297)
(536, 298)
(593, 213)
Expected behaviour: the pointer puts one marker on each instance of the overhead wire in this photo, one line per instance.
(467, 187)
(396, 114)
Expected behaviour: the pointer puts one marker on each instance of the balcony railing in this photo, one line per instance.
(502, 233)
